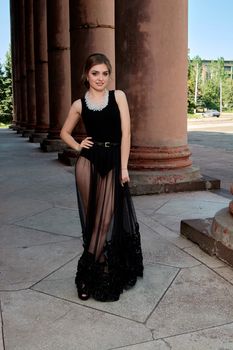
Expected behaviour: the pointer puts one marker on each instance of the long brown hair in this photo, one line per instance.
(92, 60)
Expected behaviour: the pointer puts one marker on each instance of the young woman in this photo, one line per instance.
(112, 257)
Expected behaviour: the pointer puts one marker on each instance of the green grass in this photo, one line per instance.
(195, 116)
(2, 125)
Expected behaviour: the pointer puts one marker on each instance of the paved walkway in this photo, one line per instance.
(211, 141)
(184, 301)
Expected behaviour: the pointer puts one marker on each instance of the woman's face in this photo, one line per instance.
(98, 77)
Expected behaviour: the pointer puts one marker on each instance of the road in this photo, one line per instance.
(212, 132)
(211, 143)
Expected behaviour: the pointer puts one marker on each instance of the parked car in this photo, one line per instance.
(211, 113)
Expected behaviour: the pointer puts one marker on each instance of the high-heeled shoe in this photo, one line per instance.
(83, 275)
(83, 291)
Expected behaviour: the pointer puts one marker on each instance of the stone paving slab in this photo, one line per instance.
(135, 304)
(152, 345)
(217, 338)
(197, 299)
(164, 232)
(184, 208)
(38, 169)
(226, 272)
(172, 210)
(15, 208)
(35, 321)
(14, 236)
(21, 183)
(55, 220)
(158, 250)
(63, 195)
(27, 256)
(209, 196)
(210, 261)
(214, 161)
(150, 202)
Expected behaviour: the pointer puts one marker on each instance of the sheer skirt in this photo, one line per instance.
(112, 257)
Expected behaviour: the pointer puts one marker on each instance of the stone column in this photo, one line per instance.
(92, 29)
(13, 55)
(59, 71)
(22, 66)
(16, 40)
(151, 67)
(41, 71)
(30, 67)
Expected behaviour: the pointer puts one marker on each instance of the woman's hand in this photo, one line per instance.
(124, 176)
(86, 143)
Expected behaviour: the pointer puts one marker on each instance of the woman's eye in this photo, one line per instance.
(105, 74)
(94, 73)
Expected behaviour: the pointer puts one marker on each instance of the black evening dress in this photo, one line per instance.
(112, 257)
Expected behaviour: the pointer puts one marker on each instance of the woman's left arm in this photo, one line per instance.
(125, 129)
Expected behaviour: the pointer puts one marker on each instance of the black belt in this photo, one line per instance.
(106, 144)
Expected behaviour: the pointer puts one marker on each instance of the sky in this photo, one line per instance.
(4, 28)
(210, 28)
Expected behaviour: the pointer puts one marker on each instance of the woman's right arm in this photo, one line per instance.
(72, 119)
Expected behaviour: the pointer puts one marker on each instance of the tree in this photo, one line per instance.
(212, 86)
(210, 95)
(6, 107)
(228, 95)
(1, 87)
(190, 87)
(194, 79)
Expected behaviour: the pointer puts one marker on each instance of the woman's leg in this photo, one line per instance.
(103, 215)
(83, 177)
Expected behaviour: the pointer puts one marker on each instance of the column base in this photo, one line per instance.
(37, 137)
(20, 129)
(166, 181)
(27, 132)
(68, 156)
(231, 207)
(222, 228)
(14, 127)
(52, 145)
(213, 235)
(159, 158)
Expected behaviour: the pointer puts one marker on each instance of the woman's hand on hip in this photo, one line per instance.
(124, 176)
(87, 143)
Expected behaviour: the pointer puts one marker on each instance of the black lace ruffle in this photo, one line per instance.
(106, 281)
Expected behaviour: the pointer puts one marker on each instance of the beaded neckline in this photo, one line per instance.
(97, 106)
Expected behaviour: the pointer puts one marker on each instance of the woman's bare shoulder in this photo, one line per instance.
(77, 106)
(120, 95)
